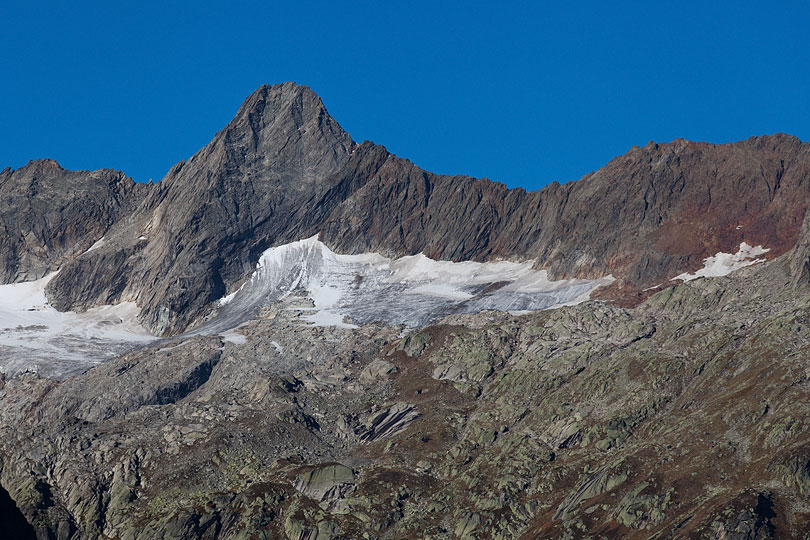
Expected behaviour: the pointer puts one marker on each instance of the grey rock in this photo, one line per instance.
(326, 482)
(376, 371)
(283, 170)
(387, 421)
(49, 215)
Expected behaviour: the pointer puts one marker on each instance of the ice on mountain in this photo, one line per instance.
(345, 291)
(413, 291)
(33, 333)
(722, 264)
(99, 243)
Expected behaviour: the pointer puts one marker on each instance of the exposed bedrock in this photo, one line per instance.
(283, 170)
(49, 215)
(683, 417)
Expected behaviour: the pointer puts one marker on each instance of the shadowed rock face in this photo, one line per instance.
(49, 215)
(284, 170)
(799, 259)
(14, 522)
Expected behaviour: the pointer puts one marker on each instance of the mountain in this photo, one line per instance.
(283, 170)
(49, 215)
(348, 346)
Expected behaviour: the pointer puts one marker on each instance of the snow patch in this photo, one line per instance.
(100, 242)
(441, 289)
(722, 264)
(346, 291)
(412, 291)
(226, 299)
(34, 333)
(326, 317)
(233, 337)
(173, 347)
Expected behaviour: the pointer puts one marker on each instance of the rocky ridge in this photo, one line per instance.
(284, 170)
(49, 215)
(676, 413)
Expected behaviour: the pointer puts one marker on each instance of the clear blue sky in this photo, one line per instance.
(520, 92)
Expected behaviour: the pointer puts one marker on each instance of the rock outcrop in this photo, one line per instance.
(49, 216)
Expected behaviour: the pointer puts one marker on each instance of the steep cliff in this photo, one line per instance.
(49, 215)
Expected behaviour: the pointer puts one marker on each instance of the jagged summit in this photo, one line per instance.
(43, 164)
(359, 348)
(283, 169)
(281, 132)
(51, 167)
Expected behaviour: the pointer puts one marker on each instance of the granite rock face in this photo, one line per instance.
(284, 170)
(49, 215)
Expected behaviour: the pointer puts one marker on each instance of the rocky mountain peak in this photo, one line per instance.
(283, 169)
(284, 98)
(280, 133)
(45, 165)
(203, 227)
(310, 387)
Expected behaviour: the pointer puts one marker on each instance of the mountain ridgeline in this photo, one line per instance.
(333, 397)
(283, 169)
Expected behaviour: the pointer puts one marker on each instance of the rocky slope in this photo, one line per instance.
(679, 412)
(49, 215)
(681, 418)
(284, 170)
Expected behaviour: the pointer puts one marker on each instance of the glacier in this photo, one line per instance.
(34, 336)
(722, 264)
(344, 291)
(352, 290)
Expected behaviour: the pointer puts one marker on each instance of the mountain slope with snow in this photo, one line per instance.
(412, 291)
(414, 367)
(345, 290)
(34, 336)
(283, 169)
